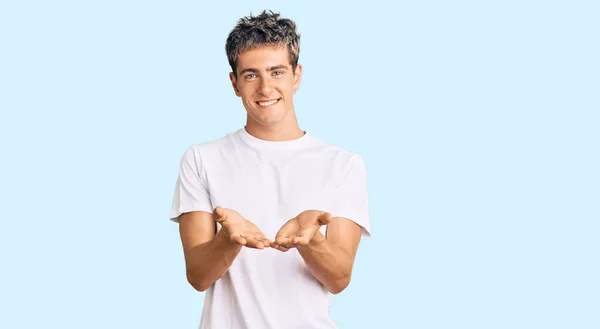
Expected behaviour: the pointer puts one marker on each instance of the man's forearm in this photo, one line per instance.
(208, 262)
(328, 263)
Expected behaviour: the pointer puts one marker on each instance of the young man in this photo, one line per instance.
(270, 217)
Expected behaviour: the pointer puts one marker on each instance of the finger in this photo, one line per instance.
(266, 241)
(325, 218)
(262, 239)
(282, 240)
(288, 241)
(303, 238)
(252, 242)
(282, 249)
(239, 239)
(277, 246)
(296, 240)
(285, 245)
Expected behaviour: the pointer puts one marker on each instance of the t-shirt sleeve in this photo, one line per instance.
(351, 197)
(191, 190)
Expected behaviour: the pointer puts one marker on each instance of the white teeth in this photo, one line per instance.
(268, 103)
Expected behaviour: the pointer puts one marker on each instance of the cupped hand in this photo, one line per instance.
(240, 230)
(300, 230)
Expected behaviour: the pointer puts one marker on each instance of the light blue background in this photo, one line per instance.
(478, 121)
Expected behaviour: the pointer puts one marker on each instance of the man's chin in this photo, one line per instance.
(265, 121)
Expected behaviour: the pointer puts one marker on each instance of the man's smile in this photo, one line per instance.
(267, 103)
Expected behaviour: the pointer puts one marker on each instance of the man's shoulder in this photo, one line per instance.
(215, 143)
(335, 151)
(210, 148)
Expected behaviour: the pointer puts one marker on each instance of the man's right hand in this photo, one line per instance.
(240, 230)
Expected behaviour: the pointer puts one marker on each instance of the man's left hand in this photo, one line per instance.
(300, 230)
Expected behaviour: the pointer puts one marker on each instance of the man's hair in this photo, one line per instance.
(266, 29)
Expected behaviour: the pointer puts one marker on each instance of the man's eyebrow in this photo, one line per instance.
(248, 70)
(272, 68)
(277, 67)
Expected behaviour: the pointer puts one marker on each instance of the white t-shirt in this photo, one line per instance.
(268, 183)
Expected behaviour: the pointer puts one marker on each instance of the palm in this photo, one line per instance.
(239, 229)
(300, 230)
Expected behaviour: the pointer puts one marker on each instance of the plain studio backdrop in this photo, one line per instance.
(478, 122)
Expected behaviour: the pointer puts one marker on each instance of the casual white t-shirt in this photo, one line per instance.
(268, 183)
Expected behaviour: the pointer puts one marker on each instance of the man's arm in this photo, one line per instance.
(330, 259)
(208, 256)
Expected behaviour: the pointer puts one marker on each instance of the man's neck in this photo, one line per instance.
(275, 134)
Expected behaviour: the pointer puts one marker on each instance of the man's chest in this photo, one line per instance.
(269, 193)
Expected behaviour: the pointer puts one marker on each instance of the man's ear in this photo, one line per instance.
(297, 76)
(234, 83)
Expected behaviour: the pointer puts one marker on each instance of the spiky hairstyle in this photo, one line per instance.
(266, 29)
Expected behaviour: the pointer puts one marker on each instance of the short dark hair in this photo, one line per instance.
(262, 30)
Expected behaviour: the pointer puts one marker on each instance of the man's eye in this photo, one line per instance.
(250, 76)
(277, 73)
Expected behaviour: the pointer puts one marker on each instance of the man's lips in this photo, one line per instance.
(267, 103)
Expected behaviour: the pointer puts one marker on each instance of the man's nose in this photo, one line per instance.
(265, 86)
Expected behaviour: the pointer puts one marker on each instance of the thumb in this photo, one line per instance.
(324, 218)
(219, 214)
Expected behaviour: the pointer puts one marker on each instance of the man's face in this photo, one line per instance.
(266, 84)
